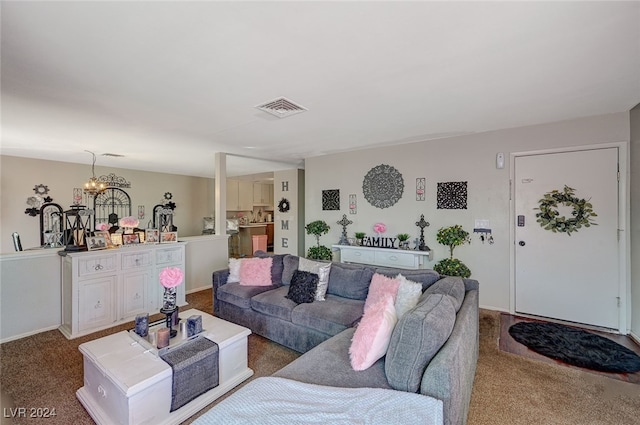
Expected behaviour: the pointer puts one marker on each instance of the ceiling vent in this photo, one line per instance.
(281, 107)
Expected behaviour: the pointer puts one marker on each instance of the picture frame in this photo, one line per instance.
(168, 237)
(106, 235)
(130, 239)
(152, 236)
(116, 239)
(95, 243)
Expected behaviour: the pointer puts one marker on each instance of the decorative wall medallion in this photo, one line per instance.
(41, 189)
(283, 205)
(452, 196)
(383, 186)
(353, 204)
(331, 200)
(421, 184)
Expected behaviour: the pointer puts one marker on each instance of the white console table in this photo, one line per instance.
(384, 257)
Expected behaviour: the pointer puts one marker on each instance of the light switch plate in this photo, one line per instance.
(481, 224)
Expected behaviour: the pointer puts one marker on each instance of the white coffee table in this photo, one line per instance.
(126, 383)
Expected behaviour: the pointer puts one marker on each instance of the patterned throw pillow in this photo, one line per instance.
(303, 287)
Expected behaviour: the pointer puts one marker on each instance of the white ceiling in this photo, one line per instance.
(168, 84)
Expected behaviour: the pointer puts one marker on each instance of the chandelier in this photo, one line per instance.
(93, 186)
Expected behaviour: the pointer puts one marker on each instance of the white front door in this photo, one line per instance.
(569, 277)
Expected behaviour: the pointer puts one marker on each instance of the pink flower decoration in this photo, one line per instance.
(103, 227)
(129, 222)
(170, 277)
(379, 228)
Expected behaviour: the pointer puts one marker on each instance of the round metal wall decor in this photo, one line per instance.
(383, 186)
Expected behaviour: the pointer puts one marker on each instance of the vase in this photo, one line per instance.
(169, 299)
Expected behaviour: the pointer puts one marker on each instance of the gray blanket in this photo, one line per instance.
(277, 401)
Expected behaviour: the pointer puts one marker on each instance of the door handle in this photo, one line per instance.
(521, 243)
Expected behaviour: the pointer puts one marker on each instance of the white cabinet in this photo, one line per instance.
(263, 195)
(133, 300)
(239, 195)
(101, 289)
(97, 307)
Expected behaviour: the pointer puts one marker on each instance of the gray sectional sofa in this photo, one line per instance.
(447, 310)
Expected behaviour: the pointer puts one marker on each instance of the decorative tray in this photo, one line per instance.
(175, 342)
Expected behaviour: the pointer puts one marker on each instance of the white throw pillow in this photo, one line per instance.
(408, 295)
(322, 270)
(234, 270)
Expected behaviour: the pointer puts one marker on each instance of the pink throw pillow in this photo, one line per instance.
(371, 338)
(255, 271)
(380, 286)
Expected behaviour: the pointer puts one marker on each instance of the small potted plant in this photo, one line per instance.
(359, 237)
(452, 237)
(319, 252)
(403, 239)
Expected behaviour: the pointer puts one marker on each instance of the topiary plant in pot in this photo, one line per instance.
(320, 252)
(452, 237)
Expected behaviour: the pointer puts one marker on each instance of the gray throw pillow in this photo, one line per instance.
(290, 265)
(425, 277)
(350, 281)
(416, 339)
(450, 285)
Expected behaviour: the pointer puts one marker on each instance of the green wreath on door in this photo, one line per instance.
(549, 216)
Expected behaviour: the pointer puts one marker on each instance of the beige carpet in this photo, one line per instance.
(45, 370)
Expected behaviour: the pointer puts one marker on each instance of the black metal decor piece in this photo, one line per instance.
(163, 217)
(452, 196)
(331, 200)
(77, 227)
(110, 205)
(344, 223)
(51, 224)
(383, 186)
(422, 224)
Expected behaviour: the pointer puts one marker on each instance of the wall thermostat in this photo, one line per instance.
(500, 160)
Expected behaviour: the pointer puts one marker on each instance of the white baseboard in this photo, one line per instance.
(635, 337)
(489, 307)
(37, 331)
(202, 288)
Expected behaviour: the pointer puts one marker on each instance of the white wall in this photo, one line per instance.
(635, 221)
(192, 195)
(468, 158)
